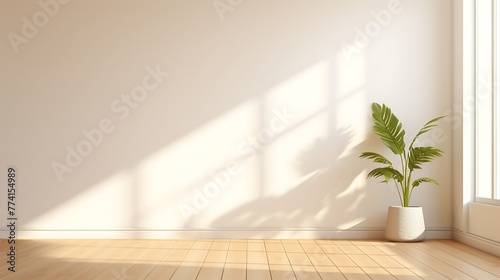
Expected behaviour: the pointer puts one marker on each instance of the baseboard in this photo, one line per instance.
(477, 242)
(213, 233)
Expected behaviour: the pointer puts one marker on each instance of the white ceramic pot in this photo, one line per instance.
(405, 224)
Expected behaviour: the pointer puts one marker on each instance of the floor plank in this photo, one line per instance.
(211, 271)
(226, 259)
(234, 271)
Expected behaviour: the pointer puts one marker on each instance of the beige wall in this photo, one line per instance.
(255, 130)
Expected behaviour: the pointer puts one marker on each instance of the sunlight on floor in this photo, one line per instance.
(230, 259)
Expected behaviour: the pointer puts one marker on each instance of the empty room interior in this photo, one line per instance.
(238, 139)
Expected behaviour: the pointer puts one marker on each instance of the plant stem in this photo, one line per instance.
(399, 193)
(402, 157)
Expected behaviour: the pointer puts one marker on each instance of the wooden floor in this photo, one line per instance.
(232, 259)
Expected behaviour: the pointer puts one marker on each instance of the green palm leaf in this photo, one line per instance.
(418, 181)
(390, 130)
(388, 127)
(388, 173)
(428, 126)
(376, 158)
(420, 155)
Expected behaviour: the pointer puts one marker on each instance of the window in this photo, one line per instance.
(487, 103)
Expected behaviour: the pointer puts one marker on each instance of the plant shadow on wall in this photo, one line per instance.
(329, 192)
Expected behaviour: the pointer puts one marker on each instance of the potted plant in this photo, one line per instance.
(405, 222)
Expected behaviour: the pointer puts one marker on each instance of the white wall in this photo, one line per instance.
(234, 77)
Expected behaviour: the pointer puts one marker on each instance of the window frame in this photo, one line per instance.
(486, 124)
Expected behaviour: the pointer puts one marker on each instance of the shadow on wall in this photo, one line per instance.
(82, 90)
(225, 80)
(329, 194)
